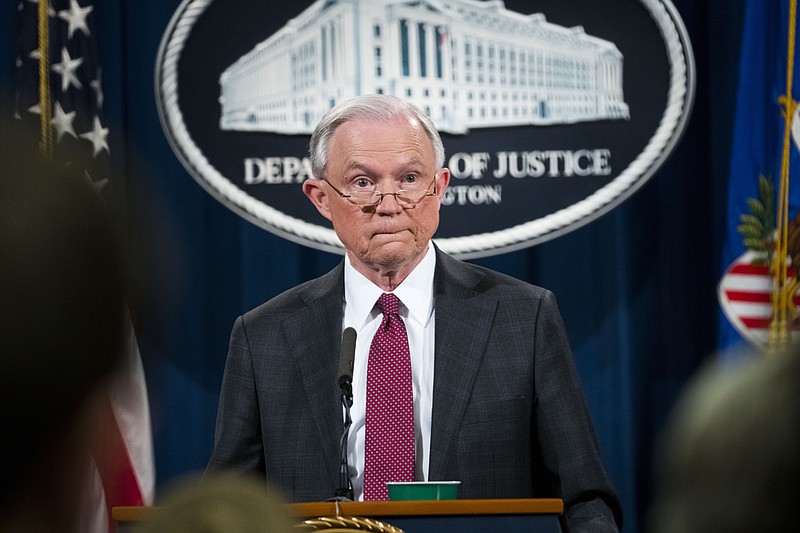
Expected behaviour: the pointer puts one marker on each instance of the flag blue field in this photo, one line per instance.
(756, 151)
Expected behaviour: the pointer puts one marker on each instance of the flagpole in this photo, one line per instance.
(46, 140)
(783, 312)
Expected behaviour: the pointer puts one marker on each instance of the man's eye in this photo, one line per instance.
(361, 183)
(409, 179)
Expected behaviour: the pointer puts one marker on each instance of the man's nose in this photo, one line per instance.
(388, 205)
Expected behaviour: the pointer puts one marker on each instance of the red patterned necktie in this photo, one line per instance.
(389, 440)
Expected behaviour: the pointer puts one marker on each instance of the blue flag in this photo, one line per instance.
(757, 151)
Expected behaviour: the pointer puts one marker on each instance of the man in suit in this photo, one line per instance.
(497, 403)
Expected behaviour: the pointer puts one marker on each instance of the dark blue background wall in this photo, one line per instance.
(637, 288)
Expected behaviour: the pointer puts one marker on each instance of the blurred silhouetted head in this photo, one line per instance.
(61, 305)
(222, 502)
(730, 459)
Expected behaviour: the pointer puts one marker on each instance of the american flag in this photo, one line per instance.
(75, 100)
(56, 43)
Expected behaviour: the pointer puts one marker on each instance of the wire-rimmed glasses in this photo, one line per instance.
(407, 197)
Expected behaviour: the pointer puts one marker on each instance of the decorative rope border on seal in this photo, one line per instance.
(679, 102)
(673, 121)
(166, 80)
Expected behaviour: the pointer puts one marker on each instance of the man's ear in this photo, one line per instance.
(312, 188)
(442, 181)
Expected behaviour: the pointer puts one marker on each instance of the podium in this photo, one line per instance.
(425, 516)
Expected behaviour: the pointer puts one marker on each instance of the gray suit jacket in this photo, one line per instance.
(509, 417)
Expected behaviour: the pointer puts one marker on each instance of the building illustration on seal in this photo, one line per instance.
(467, 63)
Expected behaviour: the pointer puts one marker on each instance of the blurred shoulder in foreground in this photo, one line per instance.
(730, 458)
(219, 503)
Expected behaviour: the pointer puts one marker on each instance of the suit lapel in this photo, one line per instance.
(314, 335)
(464, 320)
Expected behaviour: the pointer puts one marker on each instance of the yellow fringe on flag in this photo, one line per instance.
(783, 309)
(46, 140)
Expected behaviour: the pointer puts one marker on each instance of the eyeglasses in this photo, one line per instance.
(408, 197)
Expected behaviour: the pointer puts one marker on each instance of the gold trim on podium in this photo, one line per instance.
(393, 508)
(344, 524)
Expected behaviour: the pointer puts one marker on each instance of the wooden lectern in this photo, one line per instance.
(428, 516)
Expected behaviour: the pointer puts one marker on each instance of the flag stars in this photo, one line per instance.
(67, 69)
(98, 185)
(77, 93)
(98, 88)
(75, 17)
(63, 122)
(98, 137)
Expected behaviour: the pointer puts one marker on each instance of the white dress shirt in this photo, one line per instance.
(417, 311)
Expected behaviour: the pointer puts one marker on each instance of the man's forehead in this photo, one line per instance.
(372, 121)
(375, 135)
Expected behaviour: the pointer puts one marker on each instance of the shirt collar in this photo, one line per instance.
(415, 293)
